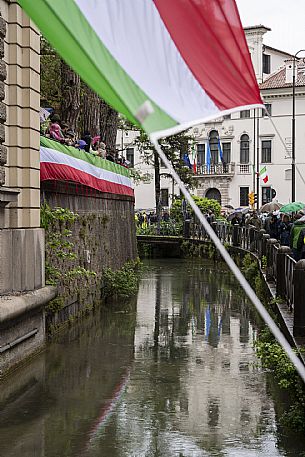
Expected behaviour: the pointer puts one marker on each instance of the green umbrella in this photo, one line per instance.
(292, 207)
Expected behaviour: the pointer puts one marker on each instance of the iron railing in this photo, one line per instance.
(258, 242)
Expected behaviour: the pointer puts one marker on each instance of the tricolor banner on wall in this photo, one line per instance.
(65, 163)
(164, 64)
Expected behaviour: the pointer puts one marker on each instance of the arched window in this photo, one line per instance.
(213, 141)
(244, 148)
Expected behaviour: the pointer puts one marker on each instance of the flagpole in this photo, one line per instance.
(254, 149)
(257, 160)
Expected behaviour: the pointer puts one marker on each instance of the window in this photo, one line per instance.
(200, 154)
(244, 148)
(266, 151)
(164, 197)
(243, 196)
(213, 141)
(130, 156)
(266, 64)
(268, 107)
(266, 195)
(226, 150)
(227, 116)
(245, 114)
(288, 174)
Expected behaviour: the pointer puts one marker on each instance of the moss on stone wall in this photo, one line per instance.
(79, 247)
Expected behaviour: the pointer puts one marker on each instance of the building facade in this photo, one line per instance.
(249, 140)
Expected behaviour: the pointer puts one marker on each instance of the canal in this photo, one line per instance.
(171, 373)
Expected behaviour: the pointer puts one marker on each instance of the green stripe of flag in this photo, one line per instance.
(85, 156)
(69, 32)
(263, 170)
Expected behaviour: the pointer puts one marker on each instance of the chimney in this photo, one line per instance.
(288, 70)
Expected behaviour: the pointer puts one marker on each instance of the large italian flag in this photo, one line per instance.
(165, 64)
(65, 163)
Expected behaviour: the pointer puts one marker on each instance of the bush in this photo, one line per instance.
(122, 283)
(204, 204)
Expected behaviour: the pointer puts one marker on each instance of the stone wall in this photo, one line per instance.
(3, 153)
(103, 236)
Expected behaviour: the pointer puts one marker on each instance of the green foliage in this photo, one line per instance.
(264, 262)
(204, 204)
(122, 283)
(50, 75)
(250, 268)
(169, 228)
(174, 147)
(55, 305)
(58, 244)
(49, 216)
(274, 358)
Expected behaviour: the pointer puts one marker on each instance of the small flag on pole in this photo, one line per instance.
(193, 150)
(208, 157)
(263, 174)
(187, 161)
(220, 152)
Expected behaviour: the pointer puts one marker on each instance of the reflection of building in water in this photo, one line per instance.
(219, 395)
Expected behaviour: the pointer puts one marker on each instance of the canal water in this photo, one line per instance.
(171, 373)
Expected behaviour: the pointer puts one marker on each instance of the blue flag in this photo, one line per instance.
(208, 157)
(220, 152)
(186, 160)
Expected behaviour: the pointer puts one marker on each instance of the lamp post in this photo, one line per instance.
(293, 128)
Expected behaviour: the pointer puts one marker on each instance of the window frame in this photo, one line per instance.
(128, 156)
(243, 149)
(166, 190)
(200, 154)
(228, 152)
(269, 110)
(265, 198)
(245, 114)
(266, 63)
(244, 198)
(263, 151)
(213, 143)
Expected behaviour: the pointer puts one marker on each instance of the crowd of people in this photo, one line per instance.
(289, 230)
(61, 132)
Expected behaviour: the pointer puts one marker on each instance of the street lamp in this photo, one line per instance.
(293, 128)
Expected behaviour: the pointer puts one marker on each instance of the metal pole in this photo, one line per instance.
(293, 134)
(254, 149)
(257, 160)
(293, 129)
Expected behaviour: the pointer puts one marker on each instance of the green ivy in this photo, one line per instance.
(122, 283)
(56, 221)
(275, 359)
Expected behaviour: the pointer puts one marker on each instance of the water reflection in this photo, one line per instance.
(177, 378)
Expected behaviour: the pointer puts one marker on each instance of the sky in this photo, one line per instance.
(285, 18)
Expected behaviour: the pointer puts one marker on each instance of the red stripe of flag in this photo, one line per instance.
(59, 172)
(210, 38)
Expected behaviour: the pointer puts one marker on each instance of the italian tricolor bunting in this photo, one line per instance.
(65, 163)
(263, 174)
(164, 64)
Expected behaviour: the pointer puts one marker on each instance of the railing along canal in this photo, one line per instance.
(287, 275)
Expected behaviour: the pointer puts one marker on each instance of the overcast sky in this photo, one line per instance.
(285, 18)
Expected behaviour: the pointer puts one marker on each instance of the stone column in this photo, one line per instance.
(280, 271)
(21, 238)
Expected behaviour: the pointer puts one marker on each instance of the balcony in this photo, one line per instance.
(244, 169)
(219, 169)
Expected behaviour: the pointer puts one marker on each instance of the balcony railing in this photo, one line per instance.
(216, 169)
